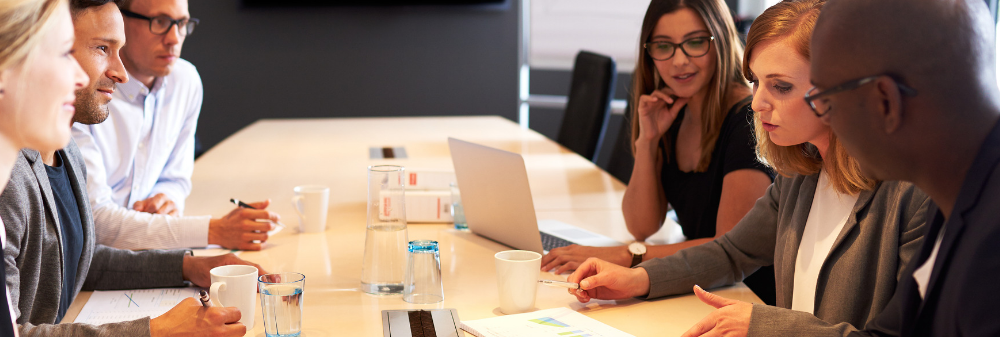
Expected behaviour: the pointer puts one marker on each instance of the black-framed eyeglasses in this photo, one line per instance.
(821, 107)
(693, 47)
(161, 24)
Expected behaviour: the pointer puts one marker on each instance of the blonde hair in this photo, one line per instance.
(728, 70)
(794, 20)
(22, 23)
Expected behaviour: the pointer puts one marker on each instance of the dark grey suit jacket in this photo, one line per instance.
(857, 278)
(960, 299)
(33, 255)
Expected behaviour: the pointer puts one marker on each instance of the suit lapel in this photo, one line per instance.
(807, 191)
(972, 189)
(864, 199)
(38, 167)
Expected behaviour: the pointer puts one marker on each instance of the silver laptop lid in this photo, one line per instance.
(495, 194)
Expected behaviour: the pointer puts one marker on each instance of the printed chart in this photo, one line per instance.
(559, 322)
(126, 305)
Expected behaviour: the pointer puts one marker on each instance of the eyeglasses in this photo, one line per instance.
(821, 107)
(160, 25)
(693, 47)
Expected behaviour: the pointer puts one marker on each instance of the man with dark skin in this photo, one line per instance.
(928, 114)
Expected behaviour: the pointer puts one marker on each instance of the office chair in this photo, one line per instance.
(589, 104)
(622, 160)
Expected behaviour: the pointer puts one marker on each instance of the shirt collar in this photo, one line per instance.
(135, 90)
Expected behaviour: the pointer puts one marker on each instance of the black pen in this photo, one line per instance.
(205, 300)
(244, 205)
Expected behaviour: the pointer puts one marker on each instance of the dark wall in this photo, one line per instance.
(351, 62)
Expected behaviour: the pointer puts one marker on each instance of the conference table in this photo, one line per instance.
(268, 158)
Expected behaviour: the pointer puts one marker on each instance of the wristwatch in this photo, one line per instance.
(638, 250)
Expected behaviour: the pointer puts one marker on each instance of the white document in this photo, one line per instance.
(126, 305)
(558, 322)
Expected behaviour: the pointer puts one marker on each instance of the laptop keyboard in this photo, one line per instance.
(549, 241)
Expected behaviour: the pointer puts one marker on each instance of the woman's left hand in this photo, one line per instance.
(731, 318)
(570, 257)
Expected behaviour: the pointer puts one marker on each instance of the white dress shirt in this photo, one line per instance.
(145, 147)
(922, 275)
(827, 216)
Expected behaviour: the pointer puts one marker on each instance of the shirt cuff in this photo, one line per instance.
(194, 230)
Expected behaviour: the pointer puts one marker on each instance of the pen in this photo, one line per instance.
(244, 205)
(555, 283)
(205, 300)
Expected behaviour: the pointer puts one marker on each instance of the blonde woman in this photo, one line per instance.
(838, 239)
(38, 77)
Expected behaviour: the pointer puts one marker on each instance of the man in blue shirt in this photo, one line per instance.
(141, 159)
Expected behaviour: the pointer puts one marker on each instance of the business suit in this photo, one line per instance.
(33, 255)
(857, 278)
(961, 298)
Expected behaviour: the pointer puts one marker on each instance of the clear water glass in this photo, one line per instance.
(457, 212)
(384, 263)
(281, 303)
(423, 273)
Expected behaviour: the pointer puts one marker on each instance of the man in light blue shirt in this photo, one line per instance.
(142, 157)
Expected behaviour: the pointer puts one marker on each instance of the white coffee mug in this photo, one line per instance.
(517, 279)
(235, 286)
(311, 203)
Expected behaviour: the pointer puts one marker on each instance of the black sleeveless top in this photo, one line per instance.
(695, 195)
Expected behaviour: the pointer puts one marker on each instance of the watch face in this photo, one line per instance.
(637, 248)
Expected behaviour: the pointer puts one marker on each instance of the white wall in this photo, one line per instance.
(558, 29)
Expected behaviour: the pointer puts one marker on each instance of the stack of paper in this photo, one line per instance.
(126, 305)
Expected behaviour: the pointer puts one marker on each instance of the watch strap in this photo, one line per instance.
(636, 260)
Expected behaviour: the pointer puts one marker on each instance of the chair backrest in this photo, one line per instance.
(588, 105)
(622, 160)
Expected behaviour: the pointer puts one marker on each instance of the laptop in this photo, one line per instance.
(497, 202)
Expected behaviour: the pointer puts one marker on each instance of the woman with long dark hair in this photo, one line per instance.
(691, 136)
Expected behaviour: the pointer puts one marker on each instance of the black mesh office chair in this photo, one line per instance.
(589, 104)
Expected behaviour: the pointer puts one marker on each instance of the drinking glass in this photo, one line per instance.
(423, 273)
(281, 303)
(457, 212)
(385, 238)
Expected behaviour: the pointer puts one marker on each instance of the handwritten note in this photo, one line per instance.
(126, 305)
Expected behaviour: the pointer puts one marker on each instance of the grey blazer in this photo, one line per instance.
(856, 281)
(33, 255)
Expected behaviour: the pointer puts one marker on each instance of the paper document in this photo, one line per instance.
(126, 305)
(558, 322)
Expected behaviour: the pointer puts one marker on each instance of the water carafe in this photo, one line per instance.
(384, 264)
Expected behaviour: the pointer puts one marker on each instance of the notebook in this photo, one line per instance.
(557, 322)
